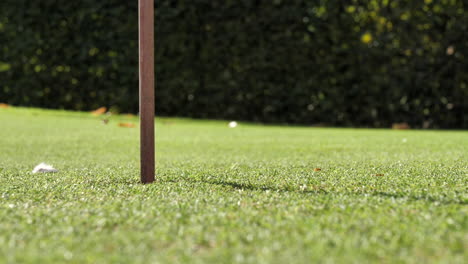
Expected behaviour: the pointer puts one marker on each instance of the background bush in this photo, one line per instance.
(359, 63)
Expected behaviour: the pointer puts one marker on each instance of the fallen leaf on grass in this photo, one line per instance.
(99, 111)
(127, 125)
(379, 174)
(105, 121)
(317, 169)
(4, 106)
(401, 126)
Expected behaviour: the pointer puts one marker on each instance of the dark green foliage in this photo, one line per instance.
(346, 63)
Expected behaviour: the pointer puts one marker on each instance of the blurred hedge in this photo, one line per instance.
(345, 63)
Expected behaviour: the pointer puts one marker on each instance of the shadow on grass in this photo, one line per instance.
(317, 190)
(281, 189)
(321, 190)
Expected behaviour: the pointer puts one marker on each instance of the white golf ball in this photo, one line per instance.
(233, 124)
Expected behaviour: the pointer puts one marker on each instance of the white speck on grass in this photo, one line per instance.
(44, 168)
(232, 124)
(405, 140)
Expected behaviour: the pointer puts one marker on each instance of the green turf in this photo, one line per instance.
(243, 195)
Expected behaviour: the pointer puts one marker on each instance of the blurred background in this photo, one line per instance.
(314, 62)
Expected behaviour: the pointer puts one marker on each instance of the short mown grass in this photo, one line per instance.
(244, 195)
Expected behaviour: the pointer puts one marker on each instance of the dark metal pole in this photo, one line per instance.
(146, 52)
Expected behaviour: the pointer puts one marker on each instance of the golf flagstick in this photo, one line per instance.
(146, 76)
